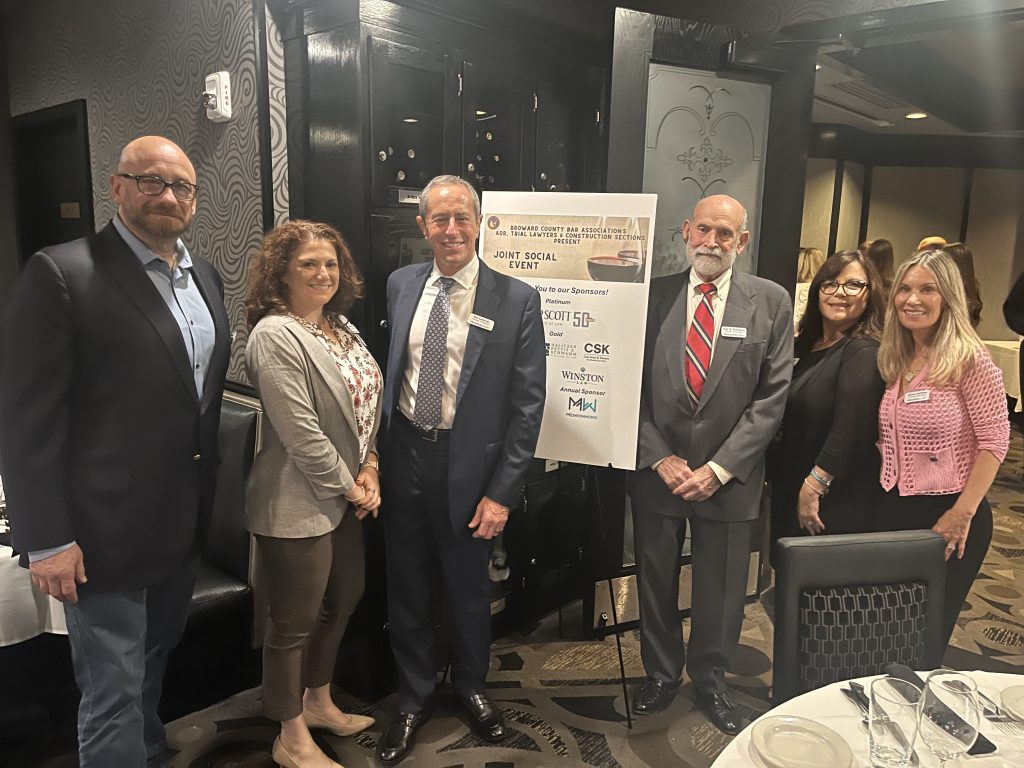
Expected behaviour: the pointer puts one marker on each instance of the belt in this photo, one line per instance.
(433, 435)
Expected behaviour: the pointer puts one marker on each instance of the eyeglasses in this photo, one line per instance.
(850, 288)
(154, 185)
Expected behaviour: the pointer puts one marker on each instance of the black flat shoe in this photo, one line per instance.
(484, 718)
(400, 737)
(653, 696)
(720, 710)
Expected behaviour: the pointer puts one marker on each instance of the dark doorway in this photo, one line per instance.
(52, 176)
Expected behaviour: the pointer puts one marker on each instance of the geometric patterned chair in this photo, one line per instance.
(847, 605)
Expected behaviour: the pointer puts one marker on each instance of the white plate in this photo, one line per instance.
(796, 742)
(1013, 701)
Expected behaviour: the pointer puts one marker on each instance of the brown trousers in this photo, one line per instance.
(313, 586)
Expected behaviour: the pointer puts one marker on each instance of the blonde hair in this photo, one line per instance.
(955, 345)
(808, 264)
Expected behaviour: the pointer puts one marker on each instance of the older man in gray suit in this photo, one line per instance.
(717, 367)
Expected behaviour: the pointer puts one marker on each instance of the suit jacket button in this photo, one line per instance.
(196, 456)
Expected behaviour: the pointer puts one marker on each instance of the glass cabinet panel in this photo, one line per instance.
(409, 103)
(494, 110)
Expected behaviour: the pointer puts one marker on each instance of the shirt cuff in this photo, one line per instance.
(723, 474)
(655, 464)
(42, 554)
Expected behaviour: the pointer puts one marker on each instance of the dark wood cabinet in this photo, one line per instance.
(381, 98)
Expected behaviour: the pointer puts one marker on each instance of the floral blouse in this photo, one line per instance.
(358, 369)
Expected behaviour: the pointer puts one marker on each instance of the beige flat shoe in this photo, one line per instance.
(284, 760)
(357, 724)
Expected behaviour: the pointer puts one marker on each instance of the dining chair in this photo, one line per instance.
(847, 605)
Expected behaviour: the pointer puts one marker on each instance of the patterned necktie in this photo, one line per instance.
(435, 349)
(698, 343)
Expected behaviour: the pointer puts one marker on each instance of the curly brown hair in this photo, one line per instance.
(267, 290)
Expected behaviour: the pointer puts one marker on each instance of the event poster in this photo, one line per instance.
(589, 257)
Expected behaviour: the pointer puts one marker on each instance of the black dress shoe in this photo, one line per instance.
(720, 710)
(653, 696)
(484, 718)
(400, 737)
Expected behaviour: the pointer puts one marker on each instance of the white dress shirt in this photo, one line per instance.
(463, 295)
(722, 284)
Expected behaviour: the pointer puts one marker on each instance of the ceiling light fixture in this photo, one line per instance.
(410, 120)
(817, 67)
(915, 116)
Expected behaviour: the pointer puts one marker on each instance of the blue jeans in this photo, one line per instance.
(120, 642)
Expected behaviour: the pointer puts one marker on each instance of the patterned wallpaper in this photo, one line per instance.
(278, 119)
(141, 66)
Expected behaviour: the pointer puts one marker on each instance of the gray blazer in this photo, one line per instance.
(309, 455)
(744, 396)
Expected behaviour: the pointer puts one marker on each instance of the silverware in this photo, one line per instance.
(992, 712)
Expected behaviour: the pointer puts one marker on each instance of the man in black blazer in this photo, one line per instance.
(113, 364)
(717, 367)
(463, 400)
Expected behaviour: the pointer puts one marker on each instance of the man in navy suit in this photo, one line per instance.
(463, 400)
(113, 366)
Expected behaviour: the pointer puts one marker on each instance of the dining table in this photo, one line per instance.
(828, 706)
(25, 612)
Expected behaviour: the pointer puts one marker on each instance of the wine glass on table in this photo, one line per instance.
(950, 714)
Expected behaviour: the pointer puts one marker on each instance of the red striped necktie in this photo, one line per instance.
(698, 343)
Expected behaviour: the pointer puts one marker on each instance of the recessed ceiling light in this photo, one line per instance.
(915, 116)
(817, 67)
(410, 120)
(829, 135)
(884, 124)
(480, 112)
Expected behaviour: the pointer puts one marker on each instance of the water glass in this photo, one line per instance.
(893, 716)
(950, 714)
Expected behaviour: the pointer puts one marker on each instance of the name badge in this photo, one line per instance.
(734, 332)
(920, 396)
(481, 322)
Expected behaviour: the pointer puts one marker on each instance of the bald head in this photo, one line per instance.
(715, 235)
(146, 149)
(156, 219)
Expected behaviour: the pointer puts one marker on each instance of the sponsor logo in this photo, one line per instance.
(583, 377)
(591, 348)
(555, 349)
(578, 319)
(582, 405)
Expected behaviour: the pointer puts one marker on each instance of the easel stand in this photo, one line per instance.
(611, 601)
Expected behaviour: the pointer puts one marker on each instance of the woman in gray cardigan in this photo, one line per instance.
(315, 477)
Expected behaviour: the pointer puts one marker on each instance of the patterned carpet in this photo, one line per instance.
(563, 701)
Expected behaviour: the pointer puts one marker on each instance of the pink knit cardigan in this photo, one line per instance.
(929, 446)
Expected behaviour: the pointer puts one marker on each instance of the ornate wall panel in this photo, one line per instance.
(706, 135)
(141, 66)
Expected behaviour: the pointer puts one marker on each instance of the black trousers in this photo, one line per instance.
(720, 562)
(910, 513)
(426, 554)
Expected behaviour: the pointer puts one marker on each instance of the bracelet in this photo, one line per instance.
(372, 463)
(821, 493)
(356, 501)
(820, 479)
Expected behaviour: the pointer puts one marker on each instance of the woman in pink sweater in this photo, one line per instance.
(942, 423)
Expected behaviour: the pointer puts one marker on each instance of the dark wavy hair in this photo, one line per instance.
(267, 290)
(879, 253)
(964, 259)
(870, 323)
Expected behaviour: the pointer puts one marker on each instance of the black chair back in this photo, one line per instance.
(847, 605)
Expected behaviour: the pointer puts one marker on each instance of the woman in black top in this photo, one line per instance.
(824, 466)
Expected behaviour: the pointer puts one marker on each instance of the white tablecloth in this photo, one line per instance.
(1006, 356)
(24, 611)
(831, 708)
